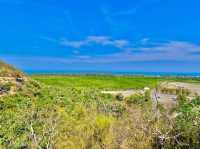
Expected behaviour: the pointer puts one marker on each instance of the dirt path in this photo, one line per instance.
(168, 101)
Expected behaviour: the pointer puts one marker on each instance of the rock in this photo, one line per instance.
(146, 89)
(19, 79)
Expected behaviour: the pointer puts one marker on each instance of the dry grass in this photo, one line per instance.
(7, 70)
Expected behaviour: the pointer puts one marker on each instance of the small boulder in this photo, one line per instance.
(146, 89)
(19, 79)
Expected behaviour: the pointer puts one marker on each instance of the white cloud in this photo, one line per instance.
(74, 44)
(99, 40)
(172, 51)
(144, 41)
(83, 57)
(167, 51)
(121, 43)
(174, 47)
(156, 51)
(104, 40)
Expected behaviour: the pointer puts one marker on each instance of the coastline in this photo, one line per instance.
(114, 73)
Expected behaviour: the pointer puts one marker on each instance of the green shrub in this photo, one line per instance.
(135, 99)
(175, 91)
(186, 92)
(188, 121)
(181, 99)
(61, 117)
(119, 97)
(196, 101)
(103, 122)
(147, 96)
(6, 87)
(118, 108)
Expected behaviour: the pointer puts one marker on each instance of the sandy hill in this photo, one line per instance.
(10, 79)
(7, 70)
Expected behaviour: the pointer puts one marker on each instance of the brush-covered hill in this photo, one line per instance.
(11, 79)
(38, 116)
(7, 70)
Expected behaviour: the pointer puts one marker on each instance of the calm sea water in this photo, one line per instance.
(116, 73)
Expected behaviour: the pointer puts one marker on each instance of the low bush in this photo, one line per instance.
(139, 98)
(175, 91)
(135, 99)
(5, 87)
(40, 116)
(119, 97)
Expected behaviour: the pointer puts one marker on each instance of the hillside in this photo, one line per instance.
(7, 70)
(11, 80)
(43, 113)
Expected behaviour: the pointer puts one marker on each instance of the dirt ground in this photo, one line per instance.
(14, 85)
(167, 100)
(194, 88)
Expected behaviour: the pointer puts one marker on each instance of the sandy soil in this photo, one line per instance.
(14, 87)
(168, 101)
(194, 88)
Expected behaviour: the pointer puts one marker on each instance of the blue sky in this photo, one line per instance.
(101, 35)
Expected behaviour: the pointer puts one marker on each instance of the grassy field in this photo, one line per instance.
(106, 82)
(186, 80)
(101, 82)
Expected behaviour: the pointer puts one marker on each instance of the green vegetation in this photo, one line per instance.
(70, 112)
(139, 99)
(119, 97)
(188, 121)
(99, 81)
(43, 117)
(175, 91)
(183, 79)
(5, 87)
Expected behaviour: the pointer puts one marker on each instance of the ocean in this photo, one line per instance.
(157, 74)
